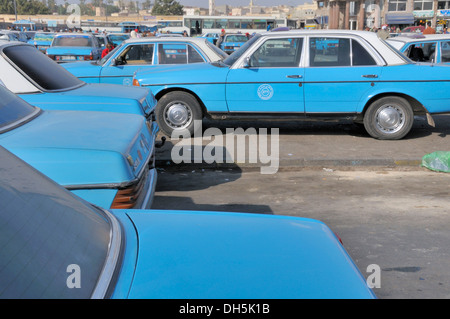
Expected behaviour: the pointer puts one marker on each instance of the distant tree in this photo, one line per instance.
(167, 7)
(24, 7)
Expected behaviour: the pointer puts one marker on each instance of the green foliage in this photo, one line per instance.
(167, 7)
(25, 7)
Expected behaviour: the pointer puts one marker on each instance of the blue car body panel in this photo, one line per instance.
(316, 90)
(252, 263)
(96, 97)
(87, 71)
(60, 144)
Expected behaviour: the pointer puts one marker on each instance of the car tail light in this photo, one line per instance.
(136, 82)
(88, 57)
(127, 197)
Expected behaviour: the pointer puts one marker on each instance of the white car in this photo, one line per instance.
(119, 66)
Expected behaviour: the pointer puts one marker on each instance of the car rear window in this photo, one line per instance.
(72, 41)
(46, 73)
(13, 109)
(53, 245)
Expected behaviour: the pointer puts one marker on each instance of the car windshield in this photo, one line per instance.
(236, 38)
(118, 38)
(44, 37)
(72, 41)
(238, 53)
(13, 110)
(106, 57)
(54, 245)
(47, 74)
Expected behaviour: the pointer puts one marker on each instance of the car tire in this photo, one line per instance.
(389, 118)
(177, 112)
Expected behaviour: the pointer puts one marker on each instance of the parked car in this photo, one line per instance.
(119, 66)
(211, 37)
(103, 39)
(281, 75)
(42, 40)
(44, 83)
(118, 38)
(74, 47)
(8, 36)
(433, 48)
(105, 158)
(413, 29)
(231, 42)
(56, 245)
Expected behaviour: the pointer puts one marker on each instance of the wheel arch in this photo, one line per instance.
(417, 107)
(165, 91)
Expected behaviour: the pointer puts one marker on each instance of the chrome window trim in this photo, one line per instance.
(112, 258)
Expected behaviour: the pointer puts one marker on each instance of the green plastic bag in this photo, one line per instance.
(437, 161)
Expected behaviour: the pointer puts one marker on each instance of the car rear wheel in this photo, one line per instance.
(176, 112)
(389, 118)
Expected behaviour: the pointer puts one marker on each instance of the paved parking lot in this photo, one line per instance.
(387, 209)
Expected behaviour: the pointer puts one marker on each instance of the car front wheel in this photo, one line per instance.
(389, 118)
(176, 112)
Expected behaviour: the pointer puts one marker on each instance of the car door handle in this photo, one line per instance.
(372, 76)
(294, 76)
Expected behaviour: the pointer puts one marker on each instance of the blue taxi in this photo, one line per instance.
(44, 83)
(56, 245)
(119, 66)
(74, 47)
(42, 40)
(300, 75)
(432, 48)
(231, 42)
(105, 158)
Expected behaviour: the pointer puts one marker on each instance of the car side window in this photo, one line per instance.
(172, 53)
(360, 56)
(194, 56)
(278, 53)
(329, 52)
(445, 51)
(138, 54)
(421, 52)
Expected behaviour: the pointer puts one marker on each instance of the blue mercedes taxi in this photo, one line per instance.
(119, 66)
(42, 40)
(44, 83)
(105, 158)
(301, 75)
(74, 47)
(431, 48)
(233, 41)
(56, 245)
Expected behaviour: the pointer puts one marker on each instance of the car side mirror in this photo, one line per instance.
(247, 62)
(113, 62)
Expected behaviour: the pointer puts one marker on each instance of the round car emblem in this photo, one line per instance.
(127, 82)
(265, 92)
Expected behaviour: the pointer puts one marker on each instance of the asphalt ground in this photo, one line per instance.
(388, 210)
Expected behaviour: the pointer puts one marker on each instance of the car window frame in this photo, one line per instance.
(31, 80)
(369, 48)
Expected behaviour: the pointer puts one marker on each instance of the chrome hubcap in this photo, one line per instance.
(178, 115)
(390, 119)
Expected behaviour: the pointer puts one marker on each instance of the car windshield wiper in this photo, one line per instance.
(219, 64)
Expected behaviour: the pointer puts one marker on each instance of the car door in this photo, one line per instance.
(120, 69)
(271, 81)
(341, 73)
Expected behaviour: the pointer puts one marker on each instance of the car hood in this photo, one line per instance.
(83, 68)
(183, 254)
(79, 148)
(94, 97)
(187, 73)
